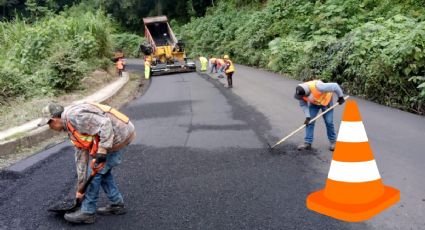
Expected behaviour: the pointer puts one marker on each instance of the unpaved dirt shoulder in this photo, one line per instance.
(135, 87)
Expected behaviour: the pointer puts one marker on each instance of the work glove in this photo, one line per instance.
(100, 158)
(341, 100)
(307, 120)
(79, 195)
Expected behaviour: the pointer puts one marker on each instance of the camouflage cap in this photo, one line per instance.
(50, 111)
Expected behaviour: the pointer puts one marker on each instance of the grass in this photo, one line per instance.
(20, 111)
(129, 91)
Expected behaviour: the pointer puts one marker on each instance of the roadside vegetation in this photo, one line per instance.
(54, 55)
(374, 48)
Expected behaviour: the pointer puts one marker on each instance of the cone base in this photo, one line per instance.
(316, 201)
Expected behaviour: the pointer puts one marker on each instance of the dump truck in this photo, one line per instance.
(162, 47)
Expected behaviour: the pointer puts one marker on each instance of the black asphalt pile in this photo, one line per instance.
(180, 188)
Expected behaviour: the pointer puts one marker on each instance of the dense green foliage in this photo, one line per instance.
(374, 48)
(128, 43)
(52, 54)
(127, 13)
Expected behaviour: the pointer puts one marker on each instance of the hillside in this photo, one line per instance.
(374, 48)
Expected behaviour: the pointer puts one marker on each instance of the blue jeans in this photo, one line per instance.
(105, 180)
(213, 68)
(328, 117)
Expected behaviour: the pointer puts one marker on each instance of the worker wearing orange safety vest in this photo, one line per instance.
(220, 65)
(120, 66)
(313, 97)
(229, 70)
(102, 133)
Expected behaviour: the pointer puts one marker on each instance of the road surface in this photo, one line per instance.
(200, 161)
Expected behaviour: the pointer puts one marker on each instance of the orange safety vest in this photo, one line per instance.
(219, 62)
(120, 64)
(231, 67)
(91, 142)
(316, 97)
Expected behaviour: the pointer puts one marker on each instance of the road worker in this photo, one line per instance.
(313, 96)
(103, 134)
(204, 63)
(148, 61)
(229, 69)
(213, 64)
(220, 65)
(120, 66)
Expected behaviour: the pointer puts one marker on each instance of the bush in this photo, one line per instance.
(10, 83)
(374, 48)
(51, 55)
(128, 43)
(67, 70)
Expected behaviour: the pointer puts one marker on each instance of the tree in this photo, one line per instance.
(6, 5)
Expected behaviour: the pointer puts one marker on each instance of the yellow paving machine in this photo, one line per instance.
(166, 53)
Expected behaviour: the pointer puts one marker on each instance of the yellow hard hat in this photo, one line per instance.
(226, 56)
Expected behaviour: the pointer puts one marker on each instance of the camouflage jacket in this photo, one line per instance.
(89, 119)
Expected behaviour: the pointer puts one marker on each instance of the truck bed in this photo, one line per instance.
(160, 34)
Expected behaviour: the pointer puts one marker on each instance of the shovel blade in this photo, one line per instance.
(65, 207)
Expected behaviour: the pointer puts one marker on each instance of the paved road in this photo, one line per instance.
(200, 162)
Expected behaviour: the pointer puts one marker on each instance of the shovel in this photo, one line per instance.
(67, 206)
(304, 125)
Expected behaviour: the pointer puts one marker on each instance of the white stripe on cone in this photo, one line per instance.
(354, 171)
(352, 132)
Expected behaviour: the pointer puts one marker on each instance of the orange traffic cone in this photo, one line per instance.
(354, 189)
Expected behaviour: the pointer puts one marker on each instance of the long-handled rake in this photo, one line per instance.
(304, 125)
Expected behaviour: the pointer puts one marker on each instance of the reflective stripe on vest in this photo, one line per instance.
(231, 67)
(316, 97)
(91, 142)
(87, 142)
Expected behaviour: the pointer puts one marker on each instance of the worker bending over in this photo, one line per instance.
(213, 64)
(314, 96)
(102, 133)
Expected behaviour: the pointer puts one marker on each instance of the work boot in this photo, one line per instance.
(304, 146)
(332, 146)
(112, 209)
(79, 217)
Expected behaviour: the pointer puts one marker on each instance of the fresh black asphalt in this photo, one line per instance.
(200, 161)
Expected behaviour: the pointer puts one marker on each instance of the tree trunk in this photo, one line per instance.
(158, 7)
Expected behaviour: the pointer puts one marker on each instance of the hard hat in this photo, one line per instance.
(301, 91)
(226, 56)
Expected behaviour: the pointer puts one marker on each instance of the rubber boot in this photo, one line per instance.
(332, 146)
(79, 217)
(304, 146)
(112, 209)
